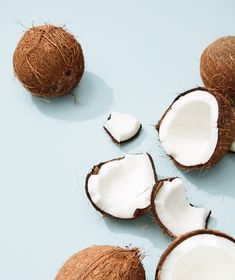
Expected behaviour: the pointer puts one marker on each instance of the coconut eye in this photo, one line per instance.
(68, 73)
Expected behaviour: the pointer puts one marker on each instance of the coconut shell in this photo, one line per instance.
(217, 66)
(95, 170)
(103, 262)
(48, 61)
(156, 189)
(182, 238)
(226, 129)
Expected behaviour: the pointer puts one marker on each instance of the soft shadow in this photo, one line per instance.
(90, 99)
(218, 180)
(143, 227)
(133, 143)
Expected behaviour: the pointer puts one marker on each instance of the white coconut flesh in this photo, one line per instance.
(189, 131)
(122, 127)
(175, 212)
(123, 186)
(201, 257)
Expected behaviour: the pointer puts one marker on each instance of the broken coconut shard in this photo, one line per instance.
(198, 129)
(121, 188)
(202, 254)
(172, 211)
(122, 127)
(48, 61)
(104, 262)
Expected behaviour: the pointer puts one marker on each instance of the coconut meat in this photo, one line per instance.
(123, 186)
(203, 256)
(122, 127)
(175, 212)
(188, 132)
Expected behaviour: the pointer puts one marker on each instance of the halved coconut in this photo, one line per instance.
(173, 212)
(199, 255)
(197, 129)
(122, 127)
(121, 188)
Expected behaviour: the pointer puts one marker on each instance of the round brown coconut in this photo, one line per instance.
(181, 239)
(225, 124)
(48, 61)
(103, 262)
(217, 66)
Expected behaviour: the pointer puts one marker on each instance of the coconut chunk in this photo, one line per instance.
(199, 255)
(196, 131)
(122, 127)
(122, 187)
(173, 212)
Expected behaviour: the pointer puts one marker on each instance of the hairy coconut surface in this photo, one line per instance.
(48, 61)
(104, 263)
(201, 254)
(217, 66)
(224, 130)
(172, 211)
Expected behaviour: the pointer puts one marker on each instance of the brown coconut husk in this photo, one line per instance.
(95, 170)
(104, 262)
(226, 129)
(217, 66)
(156, 189)
(48, 61)
(182, 238)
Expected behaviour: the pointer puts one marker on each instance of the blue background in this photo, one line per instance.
(139, 55)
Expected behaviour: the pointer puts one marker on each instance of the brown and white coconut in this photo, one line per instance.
(48, 61)
(172, 211)
(198, 129)
(104, 262)
(121, 188)
(201, 254)
(217, 66)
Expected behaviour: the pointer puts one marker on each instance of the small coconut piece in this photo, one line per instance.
(173, 212)
(121, 188)
(104, 262)
(217, 66)
(197, 130)
(202, 254)
(48, 61)
(122, 127)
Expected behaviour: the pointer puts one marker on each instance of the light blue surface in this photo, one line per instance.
(139, 54)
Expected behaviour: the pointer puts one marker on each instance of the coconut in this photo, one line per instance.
(202, 254)
(122, 127)
(104, 262)
(198, 129)
(48, 61)
(172, 211)
(217, 66)
(121, 188)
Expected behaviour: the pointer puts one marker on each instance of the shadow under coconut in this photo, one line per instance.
(90, 99)
(134, 143)
(219, 180)
(144, 226)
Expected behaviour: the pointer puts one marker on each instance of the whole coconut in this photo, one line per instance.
(48, 61)
(217, 66)
(103, 263)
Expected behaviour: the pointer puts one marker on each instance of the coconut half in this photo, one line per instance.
(199, 255)
(173, 212)
(197, 129)
(122, 127)
(121, 188)
(104, 262)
